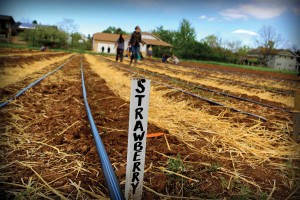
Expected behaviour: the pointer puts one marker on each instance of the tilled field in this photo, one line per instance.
(208, 151)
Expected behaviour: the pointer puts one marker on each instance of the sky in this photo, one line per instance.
(230, 20)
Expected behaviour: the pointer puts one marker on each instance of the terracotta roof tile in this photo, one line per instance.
(108, 37)
(113, 37)
(157, 42)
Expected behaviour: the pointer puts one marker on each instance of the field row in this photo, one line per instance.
(207, 151)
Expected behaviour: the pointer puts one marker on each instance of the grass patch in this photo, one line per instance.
(175, 164)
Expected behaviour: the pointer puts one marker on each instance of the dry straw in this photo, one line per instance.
(287, 100)
(254, 145)
(10, 75)
(218, 76)
(38, 158)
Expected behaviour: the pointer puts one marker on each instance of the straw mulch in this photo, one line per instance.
(10, 75)
(44, 137)
(218, 76)
(235, 89)
(244, 150)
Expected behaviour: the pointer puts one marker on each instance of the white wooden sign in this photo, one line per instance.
(138, 123)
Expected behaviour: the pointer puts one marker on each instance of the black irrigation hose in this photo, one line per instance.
(200, 97)
(225, 71)
(30, 85)
(215, 103)
(114, 189)
(240, 98)
(289, 92)
(225, 94)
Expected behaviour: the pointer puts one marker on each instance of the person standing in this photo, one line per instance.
(149, 52)
(120, 48)
(134, 42)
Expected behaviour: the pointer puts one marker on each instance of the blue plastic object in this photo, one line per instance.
(114, 189)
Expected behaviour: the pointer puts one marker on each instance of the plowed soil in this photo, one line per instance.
(47, 149)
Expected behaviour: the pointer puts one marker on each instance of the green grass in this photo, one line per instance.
(18, 46)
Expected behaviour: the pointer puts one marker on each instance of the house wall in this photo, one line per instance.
(97, 45)
(5, 31)
(17, 40)
(143, 48)
(282, 62)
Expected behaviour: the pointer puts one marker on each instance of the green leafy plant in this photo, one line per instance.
(213, 167)
(175, 164)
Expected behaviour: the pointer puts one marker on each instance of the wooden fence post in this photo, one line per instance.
(296, 116)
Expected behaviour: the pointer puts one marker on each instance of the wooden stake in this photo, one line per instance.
(296, 116)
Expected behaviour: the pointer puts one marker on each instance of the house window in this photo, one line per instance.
(278, 64)
(292, 58)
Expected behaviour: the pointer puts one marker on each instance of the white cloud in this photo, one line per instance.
(263, 12)
(260, 10)
(233, 14)
(211, 19)
(242, 31)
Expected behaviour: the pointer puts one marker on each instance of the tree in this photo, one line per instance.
(75, 38)
(201, 51)
(212, 41)
(165, 35)
(45, 35)
(243, 51)
(185, 37)
(267, 41)
(68, 25)
(34, 22)
(114, 30)
(234, 46)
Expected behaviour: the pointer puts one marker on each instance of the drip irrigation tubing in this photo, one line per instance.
(221, 93)
(237, 97)
(215, 91)
(203, 98)
(31, 85)
(114, 189)
(226, 71)
(273, 90)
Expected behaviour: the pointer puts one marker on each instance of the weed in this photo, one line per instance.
(263, 195)
(244, 194)
(175, 164)
(213, 167)
(223, 182)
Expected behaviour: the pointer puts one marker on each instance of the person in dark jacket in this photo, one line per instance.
(134, 42)
(120, 48)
